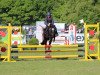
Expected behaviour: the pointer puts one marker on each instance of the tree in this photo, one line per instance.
(21, 12)
(94, 2)
(74, 10)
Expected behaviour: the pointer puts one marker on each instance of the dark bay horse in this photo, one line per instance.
(49, 34)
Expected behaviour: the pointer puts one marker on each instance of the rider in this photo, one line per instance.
(48, 22)
(49, 19)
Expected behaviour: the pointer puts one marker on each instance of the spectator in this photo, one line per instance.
(30, 33)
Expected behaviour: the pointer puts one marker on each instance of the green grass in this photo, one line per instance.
(50, 67)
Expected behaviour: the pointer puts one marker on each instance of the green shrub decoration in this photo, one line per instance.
(33, 41)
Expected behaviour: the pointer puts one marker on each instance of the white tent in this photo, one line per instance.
(39, 30)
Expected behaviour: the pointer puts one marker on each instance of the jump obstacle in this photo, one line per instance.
(91, 46)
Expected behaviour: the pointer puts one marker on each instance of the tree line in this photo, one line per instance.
(27, 12)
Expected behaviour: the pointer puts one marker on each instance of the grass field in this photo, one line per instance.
(50, 67)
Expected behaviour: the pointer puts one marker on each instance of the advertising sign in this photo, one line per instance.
(79, 38)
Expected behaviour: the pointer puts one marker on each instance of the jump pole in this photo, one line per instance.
(35, 57)
(42, 46)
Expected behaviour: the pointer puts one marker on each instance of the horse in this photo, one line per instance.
(49, 34)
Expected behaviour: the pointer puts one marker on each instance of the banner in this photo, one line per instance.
(79, 38)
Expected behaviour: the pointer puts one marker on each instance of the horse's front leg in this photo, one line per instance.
(50, 41)
(47, 49)
(49, 46)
